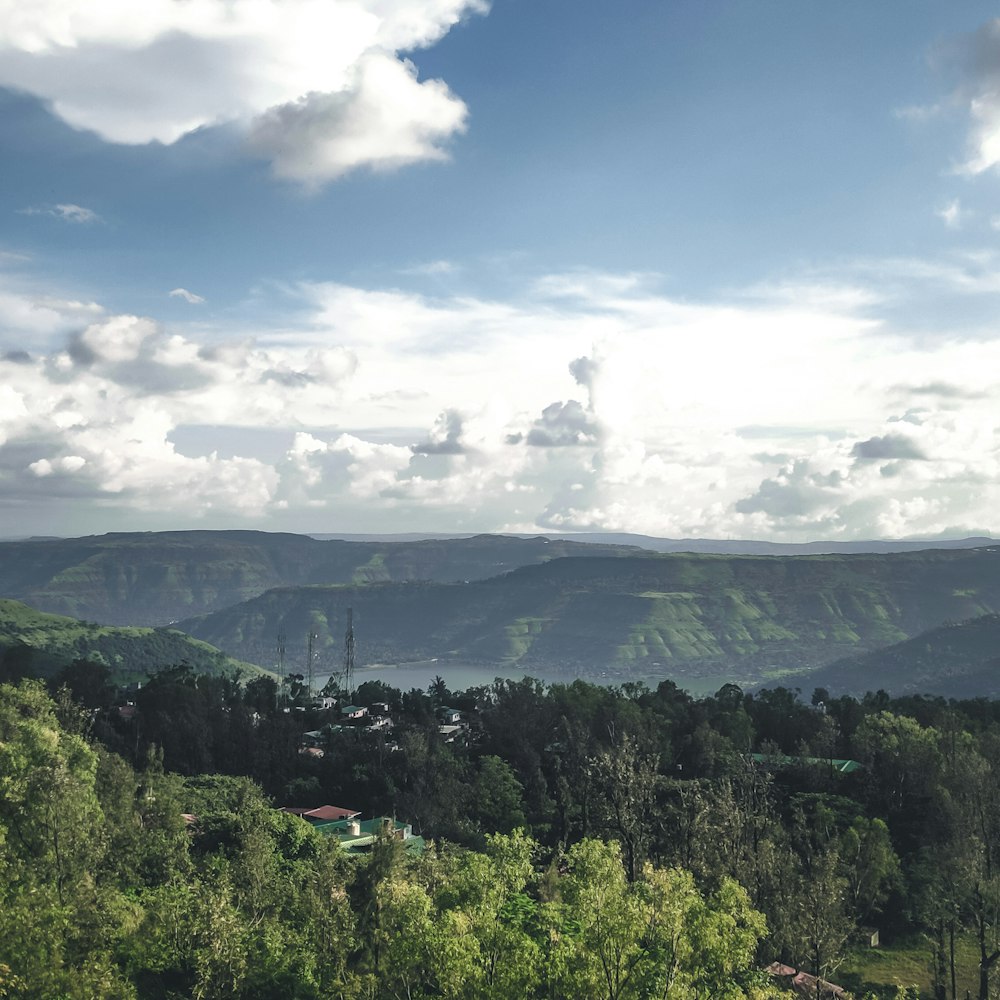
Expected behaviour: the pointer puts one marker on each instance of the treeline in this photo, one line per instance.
(109, 890)
(907, 843)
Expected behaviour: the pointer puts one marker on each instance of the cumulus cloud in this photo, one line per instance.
(785, 417)
(445, 437)
(889, 446)
(979, 57)
(385, 118)
(561, 425)
(189, 297)
(318, 87)
(797, 491)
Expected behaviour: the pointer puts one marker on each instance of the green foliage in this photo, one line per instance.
(107, 893)
(86, 656)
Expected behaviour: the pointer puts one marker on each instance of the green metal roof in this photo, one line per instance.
(368, 831)
(843, 765)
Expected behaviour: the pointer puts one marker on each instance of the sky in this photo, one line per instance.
(715, 269)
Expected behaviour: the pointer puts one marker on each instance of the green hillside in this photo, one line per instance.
(958, 660)
(668, 615)
(156, 578)
(40, 643)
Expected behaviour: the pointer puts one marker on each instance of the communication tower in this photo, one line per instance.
(311, 655)
(283, 690)
(349, 654)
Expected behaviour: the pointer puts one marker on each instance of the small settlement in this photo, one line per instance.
(375, 719)
(356, 836)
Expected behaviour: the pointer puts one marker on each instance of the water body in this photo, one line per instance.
(460, 677)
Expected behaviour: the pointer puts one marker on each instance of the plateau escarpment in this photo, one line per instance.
(654, 616)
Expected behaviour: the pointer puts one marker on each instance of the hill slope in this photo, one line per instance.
(155, 578)
(667, 615)
(40, 643)
(958, 660)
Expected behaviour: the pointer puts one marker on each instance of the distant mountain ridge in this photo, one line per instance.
(155, 578)
(654, 615)
(718, 546)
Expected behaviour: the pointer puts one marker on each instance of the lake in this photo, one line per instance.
(459, 677)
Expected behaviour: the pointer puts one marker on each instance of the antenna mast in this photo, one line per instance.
(349, 653)
(283, 689)
(311, 654)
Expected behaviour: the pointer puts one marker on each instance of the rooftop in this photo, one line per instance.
(323, 814)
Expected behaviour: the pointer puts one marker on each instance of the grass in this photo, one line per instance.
(906, 963)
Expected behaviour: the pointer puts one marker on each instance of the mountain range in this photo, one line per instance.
(681, 616)
(849, 621)
(155, 578)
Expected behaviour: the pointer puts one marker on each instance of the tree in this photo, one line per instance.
(497, 797)
(626, 779)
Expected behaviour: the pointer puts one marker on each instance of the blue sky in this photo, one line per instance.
(717, 269)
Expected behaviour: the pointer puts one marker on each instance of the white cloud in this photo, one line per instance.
(189, 297)
(767, 414)
(320, 86)
(979, 94)
(66, 213)
(385, 118)
(951, 215)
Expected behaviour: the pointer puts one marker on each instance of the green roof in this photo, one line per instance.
(368, 830)
(840, 764)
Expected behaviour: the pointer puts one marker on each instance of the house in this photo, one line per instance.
(449, 716)
(323, 814)
(449, 733)
(779, 971)
(811, 986)
(353, 711)
(805, 985)
(324, 702)
(357, 836)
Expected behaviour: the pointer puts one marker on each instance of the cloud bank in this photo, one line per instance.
(587, 401)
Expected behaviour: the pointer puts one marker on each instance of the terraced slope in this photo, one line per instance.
(667, 615)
